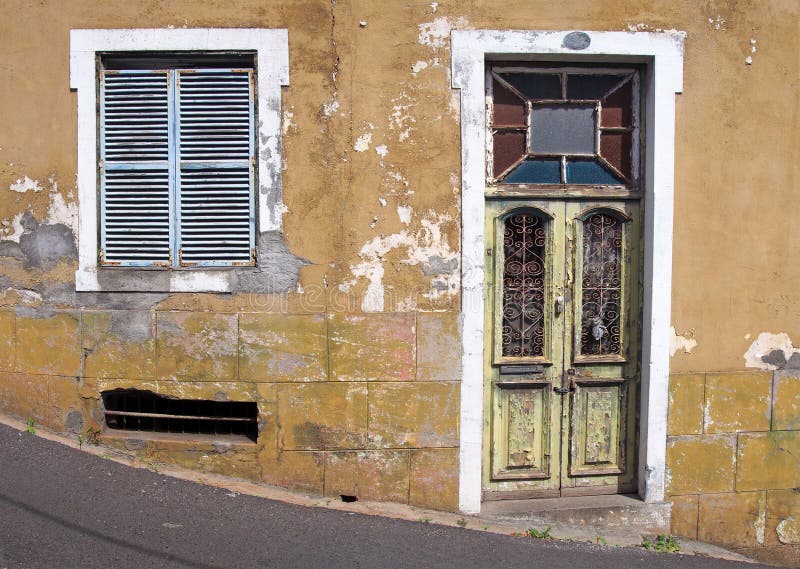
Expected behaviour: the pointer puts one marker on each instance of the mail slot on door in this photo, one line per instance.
(521, 369)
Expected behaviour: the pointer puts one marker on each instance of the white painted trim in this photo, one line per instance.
(662, 53)
(272, 58)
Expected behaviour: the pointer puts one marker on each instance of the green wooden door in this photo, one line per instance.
(562, 345)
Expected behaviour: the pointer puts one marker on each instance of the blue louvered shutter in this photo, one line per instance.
(135, 168)
(216, 167)
(177, 167)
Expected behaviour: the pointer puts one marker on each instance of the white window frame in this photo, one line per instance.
(662, 55)
(271, 47)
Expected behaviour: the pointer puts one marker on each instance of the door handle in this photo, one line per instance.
(559, 305)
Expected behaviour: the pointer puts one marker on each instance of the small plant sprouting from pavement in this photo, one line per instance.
(663, 544)
(30, 426)
(540, 534)
(462, 523)
(425, 520)
(599, 539)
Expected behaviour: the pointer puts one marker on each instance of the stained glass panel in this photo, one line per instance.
(617, 107)
(590, 86)
(590, 172)
(536, 85)
(601, 285)
(508, 109)
(524, 250)
(536, 171)
(509, 146)
(615, 147)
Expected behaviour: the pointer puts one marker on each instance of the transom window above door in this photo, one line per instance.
(563, 126)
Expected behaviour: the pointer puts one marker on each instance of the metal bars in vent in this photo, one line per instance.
(177, 167)
(137, 410)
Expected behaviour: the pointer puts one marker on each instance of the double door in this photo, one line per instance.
(562, 347)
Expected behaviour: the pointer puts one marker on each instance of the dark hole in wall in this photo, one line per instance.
(138, 410)
(348, 498)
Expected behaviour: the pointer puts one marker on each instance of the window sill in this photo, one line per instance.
(114, 279)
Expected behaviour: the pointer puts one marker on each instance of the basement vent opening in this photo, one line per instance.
(348, 498)
(136, 410)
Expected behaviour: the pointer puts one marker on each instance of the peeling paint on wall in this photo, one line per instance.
(718, 23)
(25, 184)
(681, 342)
(770, 351)
(436, 34)
(418, 66)
(363, 142)
(11, 228)
(400, 120)
(404, 212)
(426, 247)
(788, 531)
(287, 124)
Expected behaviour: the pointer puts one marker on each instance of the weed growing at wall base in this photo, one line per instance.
(663, 544)
(540, 534)
(30, 428)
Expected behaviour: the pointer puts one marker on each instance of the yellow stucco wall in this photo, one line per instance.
(371, 152)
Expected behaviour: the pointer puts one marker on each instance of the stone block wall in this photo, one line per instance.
(733, 461)
(356, 404)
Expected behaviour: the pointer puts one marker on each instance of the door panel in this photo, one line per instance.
(601, 358)
(521, 428)
(562, 326)
(597, 425)
(526, 342)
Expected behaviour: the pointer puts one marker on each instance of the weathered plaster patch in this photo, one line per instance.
(381, 150)
(363, 142)
(278, 268)
(788, 531)
(25, 184)
(40, 245)
(134, 326)
(382, 201)
(13, 295)
(436, 34)
(761, 353)
(684, 341)
(426, 247)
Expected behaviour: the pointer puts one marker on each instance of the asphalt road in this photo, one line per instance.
(62, 509)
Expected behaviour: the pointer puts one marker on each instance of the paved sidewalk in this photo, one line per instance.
(61, 508)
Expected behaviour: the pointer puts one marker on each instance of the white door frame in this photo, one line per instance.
(662, 55)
